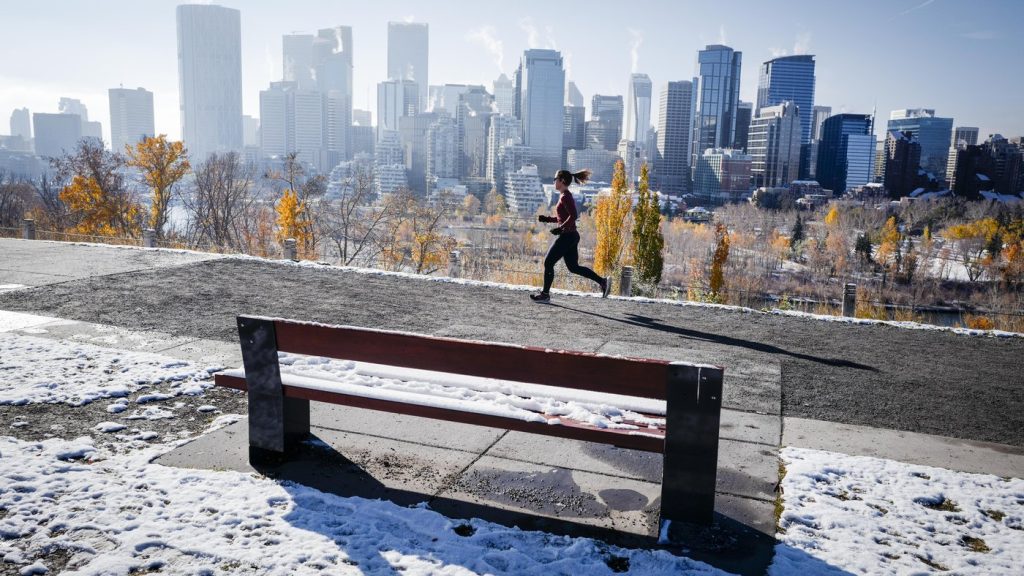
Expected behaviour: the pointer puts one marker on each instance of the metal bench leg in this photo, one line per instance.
(276, 423)
(693, 409)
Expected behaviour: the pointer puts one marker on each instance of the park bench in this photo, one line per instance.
(279, 403)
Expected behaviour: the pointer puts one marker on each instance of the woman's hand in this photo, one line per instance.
(546, 219)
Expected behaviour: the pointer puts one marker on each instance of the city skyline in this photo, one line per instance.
(948, 42)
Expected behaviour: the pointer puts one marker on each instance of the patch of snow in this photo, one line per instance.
(10, 321)
(207, 408)
(155, 397)
(855, 514)
(77, 373)
(108, 427)
(123, 514)
(150, 413)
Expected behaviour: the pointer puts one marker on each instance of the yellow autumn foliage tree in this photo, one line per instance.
(293, 221)
(832, 218)
(611, 213)
(97, 201)
(163, 164)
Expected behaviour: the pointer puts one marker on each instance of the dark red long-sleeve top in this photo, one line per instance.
(566, 210)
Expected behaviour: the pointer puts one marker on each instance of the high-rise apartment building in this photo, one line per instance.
(638, 109)
(210, 78)
(541, 79)
(963, 136)
(846, 155)
(774, 145)
(408, 49)
(675, 117)
(902, 161)
(131, 117)
(934, 134)
(717, 94)
(504, 131)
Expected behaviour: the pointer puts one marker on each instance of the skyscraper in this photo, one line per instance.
(504, 131)
(504, 95)
(963, 136)
(56, 133)
(332, 59)
(297, 60)
(77, 108)
(744, 114)
(608, 111)
(847, 152)
(395, 99)
(722, 175)
(902, 158)
(789, 78)
(818, 117)
(21, 123)
(717, 88)
(131, 117)
(408, 46)
(774, 145)
(210, 78)
(638, 109)
(933, 133)
(542, 91)
(573, 96)
(675, 116)
(574, 128)
(292, 122)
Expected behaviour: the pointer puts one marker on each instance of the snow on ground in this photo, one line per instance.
(854, 514)
(79, 505)
(119, 513)
(42, 370)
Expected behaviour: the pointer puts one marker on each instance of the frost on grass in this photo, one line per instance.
(38, 370)
(120, 514)
(860, 515)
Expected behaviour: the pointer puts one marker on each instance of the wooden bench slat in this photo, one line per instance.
(581, 371)
(648, 441)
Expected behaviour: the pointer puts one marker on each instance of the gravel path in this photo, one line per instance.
(922, 381)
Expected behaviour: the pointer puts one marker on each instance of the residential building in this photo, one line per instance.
(524, 192)
(902, 163)
(210, 78)
(963, 136)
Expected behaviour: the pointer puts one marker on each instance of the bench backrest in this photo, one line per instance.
(639, 377)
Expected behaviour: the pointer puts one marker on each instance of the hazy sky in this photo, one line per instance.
(962, 58)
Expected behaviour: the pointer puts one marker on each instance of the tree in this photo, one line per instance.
(15, 200)
(971, 242)
(308, 192)
(718, 260)
(889, 245)
(95, 194)
(222, 208)
(494, 203)
(798, 233)
(470, 205)
(648, 242)
(862, 248)
(163, 164)
(293, 221)
(610, 220)
(832, 218)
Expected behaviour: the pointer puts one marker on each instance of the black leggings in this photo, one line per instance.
(566, 246)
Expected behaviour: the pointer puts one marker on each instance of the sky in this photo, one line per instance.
(960, 58)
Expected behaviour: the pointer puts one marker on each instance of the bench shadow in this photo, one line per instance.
(651, 323)
(322, 481)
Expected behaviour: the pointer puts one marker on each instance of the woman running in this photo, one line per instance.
(567, 242)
